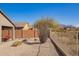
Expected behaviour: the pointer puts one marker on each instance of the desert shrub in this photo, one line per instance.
(44, 25)
(16, 43)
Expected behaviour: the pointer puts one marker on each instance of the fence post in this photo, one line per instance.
(77, 43)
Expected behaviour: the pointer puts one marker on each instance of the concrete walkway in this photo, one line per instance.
(46, 49)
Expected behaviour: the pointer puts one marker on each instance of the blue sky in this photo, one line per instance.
(67, 14)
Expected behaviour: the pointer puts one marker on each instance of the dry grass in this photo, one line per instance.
(69, 40)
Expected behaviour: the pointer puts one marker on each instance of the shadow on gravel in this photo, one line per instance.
(30, 43)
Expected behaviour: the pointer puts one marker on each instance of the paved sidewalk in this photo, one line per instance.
(47, 49)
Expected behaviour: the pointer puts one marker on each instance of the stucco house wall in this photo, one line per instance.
(4, 21)
(26, 27)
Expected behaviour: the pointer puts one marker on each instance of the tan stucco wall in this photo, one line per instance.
(5, 22)
(26, 27)
(13, 33)
(0, 33)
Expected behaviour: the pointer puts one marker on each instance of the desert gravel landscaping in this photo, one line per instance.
(46, 49)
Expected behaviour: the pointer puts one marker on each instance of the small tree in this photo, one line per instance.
(43, 26)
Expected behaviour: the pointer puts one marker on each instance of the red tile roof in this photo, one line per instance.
(20, 24)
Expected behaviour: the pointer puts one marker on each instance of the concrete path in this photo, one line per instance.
(46, 49)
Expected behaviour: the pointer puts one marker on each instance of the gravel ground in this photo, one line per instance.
(46, 49)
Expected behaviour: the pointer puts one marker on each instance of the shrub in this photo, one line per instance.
(16, 43)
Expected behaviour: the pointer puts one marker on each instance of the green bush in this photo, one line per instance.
(17, 43)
